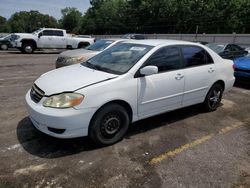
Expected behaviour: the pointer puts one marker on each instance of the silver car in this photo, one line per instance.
(71, 57)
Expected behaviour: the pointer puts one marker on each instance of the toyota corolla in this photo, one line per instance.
(128, 82)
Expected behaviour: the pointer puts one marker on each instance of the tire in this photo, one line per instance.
(4, 47)
(213, 98)
(109, 125)
(28, 48)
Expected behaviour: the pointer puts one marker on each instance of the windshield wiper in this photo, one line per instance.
(90, 65)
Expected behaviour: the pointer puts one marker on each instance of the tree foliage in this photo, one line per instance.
(71, 19)
(167, 16)
(142, 16)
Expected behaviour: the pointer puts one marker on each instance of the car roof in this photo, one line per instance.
(157, 42)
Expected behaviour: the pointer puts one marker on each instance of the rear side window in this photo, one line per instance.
(48, 33)
(166, 59)
(58, 33)
(195, 56)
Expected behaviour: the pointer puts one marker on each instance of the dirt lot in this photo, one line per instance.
(183, 148)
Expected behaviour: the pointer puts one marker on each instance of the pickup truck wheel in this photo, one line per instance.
(4, 47)
(109, 124)
(28, 48)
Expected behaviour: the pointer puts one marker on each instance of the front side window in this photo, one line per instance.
(166, 59)
(195, 56)
(119, 58)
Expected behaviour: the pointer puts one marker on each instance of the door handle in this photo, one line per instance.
(179, 76)
(211, 70)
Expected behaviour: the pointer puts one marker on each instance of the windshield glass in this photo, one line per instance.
(37, 31)
(218, 48)
(7, 37)
(119, 58)
(99, 45)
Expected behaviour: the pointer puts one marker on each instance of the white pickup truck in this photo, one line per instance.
(47, 38)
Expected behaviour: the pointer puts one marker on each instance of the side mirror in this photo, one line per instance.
(149, 70)
(40, 34)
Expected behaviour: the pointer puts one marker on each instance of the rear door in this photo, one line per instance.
(200, 74)
(58, 39)
(163, 91)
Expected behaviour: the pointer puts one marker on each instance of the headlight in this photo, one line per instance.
(64, 100)
(74, 60)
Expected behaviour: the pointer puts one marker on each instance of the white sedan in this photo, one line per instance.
(128, 82)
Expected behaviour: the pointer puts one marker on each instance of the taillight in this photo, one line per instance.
(233, 67)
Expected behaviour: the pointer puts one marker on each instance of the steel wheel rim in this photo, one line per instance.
(111, 125)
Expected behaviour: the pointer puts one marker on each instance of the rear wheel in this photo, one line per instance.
(213, 98)
(28, 48)
(109, 124)
(4, 47)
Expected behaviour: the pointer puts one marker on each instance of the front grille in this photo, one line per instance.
(242, 70)
(36, 93)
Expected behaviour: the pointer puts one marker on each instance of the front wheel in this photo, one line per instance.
(109, 124)
(213, 98)
(28, 48)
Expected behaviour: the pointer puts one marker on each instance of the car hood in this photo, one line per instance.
(78, 53)
(71, 78)
(243, 62)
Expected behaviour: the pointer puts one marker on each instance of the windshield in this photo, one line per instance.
(99, 45)
(37, 31)
(218, 48)
(7, 37)
(119, 58)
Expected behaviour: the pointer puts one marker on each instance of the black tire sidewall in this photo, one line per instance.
(208, 107)
(95, 126)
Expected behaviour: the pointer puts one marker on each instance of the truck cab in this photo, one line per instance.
(49, 38)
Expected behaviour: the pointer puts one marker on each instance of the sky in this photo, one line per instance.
(51, 7)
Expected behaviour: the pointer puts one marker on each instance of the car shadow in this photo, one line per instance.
(39, 144)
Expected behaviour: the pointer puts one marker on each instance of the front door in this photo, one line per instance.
(163, 91)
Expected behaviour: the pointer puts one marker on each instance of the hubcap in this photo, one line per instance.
(214, 98)
(111, 125)
(4, 47)
(28, 49)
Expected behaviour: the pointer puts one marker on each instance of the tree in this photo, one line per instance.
(29, 21)
(3, 25)
(71, 19)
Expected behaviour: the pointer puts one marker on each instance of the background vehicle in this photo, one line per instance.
(5, 42)
(71, 57)
(133, 36)
(130, 81)
(228, 51)
(242, 67)
(46, 38)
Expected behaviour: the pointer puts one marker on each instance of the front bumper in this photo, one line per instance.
(74, 122)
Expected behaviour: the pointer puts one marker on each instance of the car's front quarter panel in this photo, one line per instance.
(123, 88)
